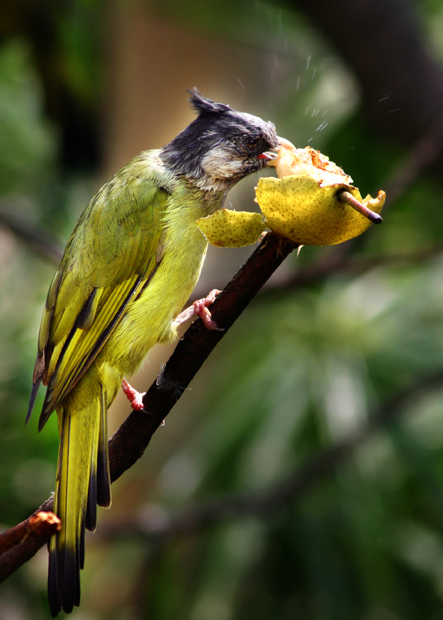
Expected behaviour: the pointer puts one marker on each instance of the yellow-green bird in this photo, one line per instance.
(130, 265)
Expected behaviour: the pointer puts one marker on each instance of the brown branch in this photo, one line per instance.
(127, 445)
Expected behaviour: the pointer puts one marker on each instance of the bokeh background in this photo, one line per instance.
(301, 475)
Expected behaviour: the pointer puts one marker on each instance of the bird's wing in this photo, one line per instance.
(114, 250)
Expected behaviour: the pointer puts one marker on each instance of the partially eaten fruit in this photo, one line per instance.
(314, 202)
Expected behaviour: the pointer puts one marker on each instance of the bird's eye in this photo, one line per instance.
(251, 144)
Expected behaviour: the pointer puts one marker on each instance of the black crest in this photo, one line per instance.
(203, 105)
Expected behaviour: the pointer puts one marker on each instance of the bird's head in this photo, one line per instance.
(221, 146)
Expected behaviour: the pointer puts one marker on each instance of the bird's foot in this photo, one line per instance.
(200, 308)
(134, 397)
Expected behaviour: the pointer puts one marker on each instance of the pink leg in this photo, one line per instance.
(200, 308)
(134, 397)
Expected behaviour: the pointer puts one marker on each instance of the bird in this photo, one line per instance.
(128, 269)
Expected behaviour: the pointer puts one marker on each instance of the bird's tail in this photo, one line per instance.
(83, 481)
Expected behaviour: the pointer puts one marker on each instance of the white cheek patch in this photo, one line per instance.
(218, 163)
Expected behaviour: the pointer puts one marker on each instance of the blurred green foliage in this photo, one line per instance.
(301, 370)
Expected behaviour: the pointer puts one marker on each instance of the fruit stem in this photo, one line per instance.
(347, 197)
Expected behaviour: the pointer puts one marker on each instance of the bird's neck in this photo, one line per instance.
(190, 170)
(211, 186)
(188, 190)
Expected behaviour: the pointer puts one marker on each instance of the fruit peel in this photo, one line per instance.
(232, 229)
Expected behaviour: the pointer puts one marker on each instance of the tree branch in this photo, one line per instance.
(128, 444)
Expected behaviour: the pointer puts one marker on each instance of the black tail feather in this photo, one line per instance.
(34, 392)
(91, 507)
(103, 475)
(63, 580)
(53, 596)
(67, 548)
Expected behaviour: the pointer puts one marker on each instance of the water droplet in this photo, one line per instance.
(322, 126)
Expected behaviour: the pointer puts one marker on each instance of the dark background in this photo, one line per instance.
(301, 476)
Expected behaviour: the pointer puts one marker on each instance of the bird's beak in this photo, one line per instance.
(282, 142)
(271, 156)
